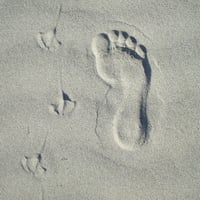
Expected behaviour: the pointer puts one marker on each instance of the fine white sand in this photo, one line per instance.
(99, 100)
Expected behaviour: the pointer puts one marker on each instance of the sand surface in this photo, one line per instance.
(99, 100)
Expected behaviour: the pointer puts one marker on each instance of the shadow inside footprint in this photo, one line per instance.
(66, 97)
(144, 121)
(145, 125)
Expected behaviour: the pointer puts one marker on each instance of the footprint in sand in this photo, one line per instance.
(63, 101)
(123, 64)
(33, 164)
(48, 40)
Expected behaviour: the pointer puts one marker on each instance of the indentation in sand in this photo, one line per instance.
(123, 64)
(33, 164)
(48, 40)
(63, 101)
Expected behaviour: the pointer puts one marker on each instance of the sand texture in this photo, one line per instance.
(99, 100)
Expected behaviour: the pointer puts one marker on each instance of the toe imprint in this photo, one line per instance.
(113, 36)
(130, 72)
(122, 38)
(131, 43)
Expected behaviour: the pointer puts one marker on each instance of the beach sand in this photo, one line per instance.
(99, 100)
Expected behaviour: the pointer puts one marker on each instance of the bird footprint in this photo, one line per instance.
(63, 101)
(48, 40)
(33, 164)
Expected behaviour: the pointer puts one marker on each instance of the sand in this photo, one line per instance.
(99, 100)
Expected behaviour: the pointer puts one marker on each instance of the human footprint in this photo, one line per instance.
(123, 64)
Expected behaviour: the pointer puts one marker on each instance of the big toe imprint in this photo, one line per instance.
(123, 64)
